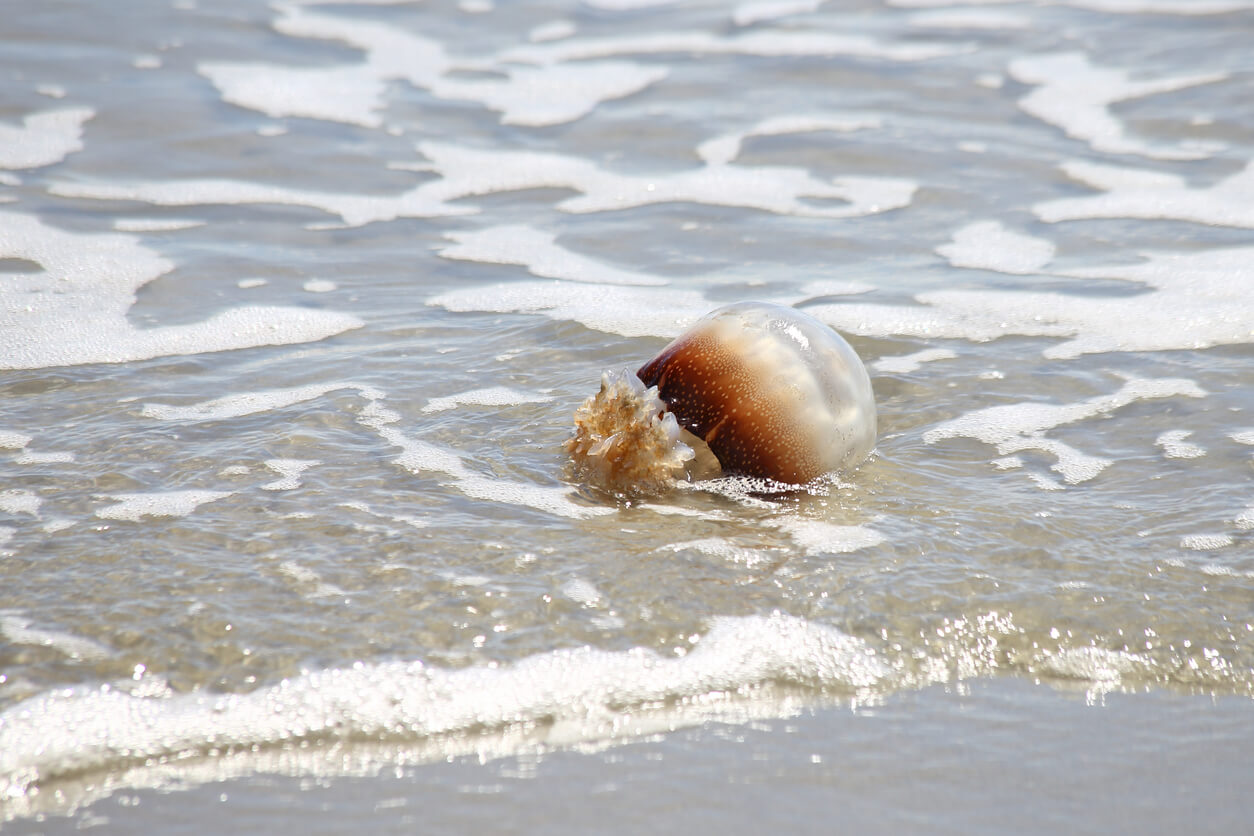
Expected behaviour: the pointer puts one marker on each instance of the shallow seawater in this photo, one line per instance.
(297, 301)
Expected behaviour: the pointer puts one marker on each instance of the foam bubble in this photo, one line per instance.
(1167, 7)
(10, 440)
(756, 11)
(1013, 428)
(537, 251)
(154, 224)
(44, 138)
(726, 148)
(1199, 299)
(1175, 447)
(554, 30)
(400, 518)
(818, 537)
(1205, 542)
(524, 95)
(1151, 195)
(906, 363)
(310, 580)
(352, 95)
(37, 457)
(19, 502)
(18, 630)
(632, 312)
(249, 403)
(1245, 519)
(590, 694)
(423, 457)
(416, 456)
(290, 470)
(971, 19)
(760, 42)
(1094, 663)
(133, 506)
(75, 310)
(1240, 437)
(1171, 7)
(1076, 96)
(628, 5)
(581, 592)
(554, 94)
(726, 550)
(468, 172)
(492, 396)
(1215, 570)
(989, 245)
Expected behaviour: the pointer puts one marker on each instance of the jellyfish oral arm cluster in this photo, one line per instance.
(773, 392)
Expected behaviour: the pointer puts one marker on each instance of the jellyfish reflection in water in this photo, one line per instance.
(753, 389)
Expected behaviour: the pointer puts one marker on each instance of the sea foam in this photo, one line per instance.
(74, 311)
(70, 731)
(44, 138)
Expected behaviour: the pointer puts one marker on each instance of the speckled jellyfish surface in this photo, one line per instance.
(751, 389)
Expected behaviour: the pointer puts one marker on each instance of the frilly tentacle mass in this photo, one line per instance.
(625, 441)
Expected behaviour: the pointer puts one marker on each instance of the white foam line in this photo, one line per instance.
(762, 43)
(307, 577)
(1013, 428)
(74, 311)
(416, 522)
(1150, 195)
(1242, 436)
(726, 550)
(81, 730)
(493, 396)
(44, 138)
(906, 363)
(536, 96)
(757, 11)
(1076, 96)
(724, 149)
(18, 630)
(819, 537)
(971, 19)
(1175, 447)
(989, 245)
(1205, 543)
(628, 5)
(133, 506)
(416, 456)
(35, 457)
(1168, 7)
(349, 94)
(469, 172)
(154, 224)
(249, 403)
(1199, 299)
(537, 251)
(423, 457)
(19, 502)
(10, 440)
(290, 470)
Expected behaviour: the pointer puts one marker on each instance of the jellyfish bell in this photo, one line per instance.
(771, 391)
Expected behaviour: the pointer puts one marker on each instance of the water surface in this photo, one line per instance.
(297, 299)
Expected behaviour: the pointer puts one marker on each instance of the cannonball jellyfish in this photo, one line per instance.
(774, 394)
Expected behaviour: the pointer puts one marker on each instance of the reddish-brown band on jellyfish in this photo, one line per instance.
(772, 391)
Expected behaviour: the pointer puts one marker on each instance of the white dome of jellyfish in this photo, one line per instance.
(751, 389)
